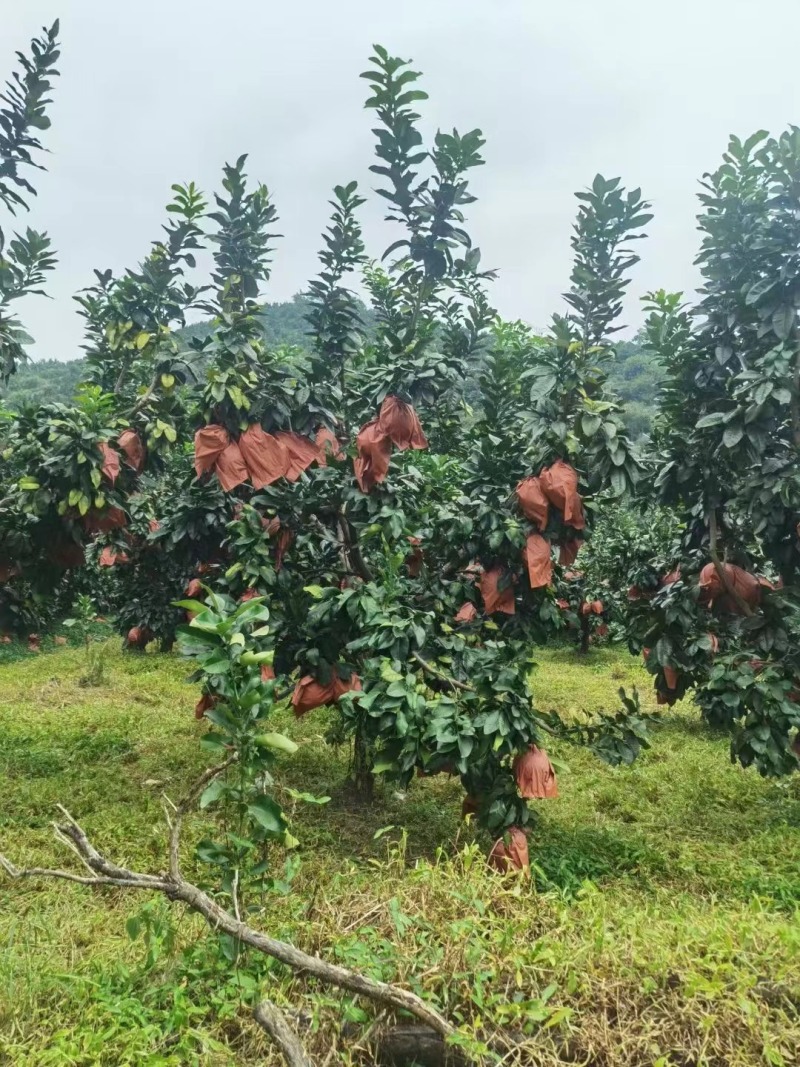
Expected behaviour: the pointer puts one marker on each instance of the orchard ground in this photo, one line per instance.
(661, 927)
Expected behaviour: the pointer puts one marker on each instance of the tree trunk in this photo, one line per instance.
(404, 1046)
(363, 777)
(585, 634)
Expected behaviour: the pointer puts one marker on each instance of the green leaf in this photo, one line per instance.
(276, 742)
(590, 424)
(388, 673)
(255, 659)
(307, 798)
(783, 321)
(267, 813)
(713, 419)
(191, 642)
(543, 384)
(214, 742)
(254, 610)
(618, 482)
(190, 605)
(216, 663)
(491, 723)
(662, 652)
(212, 792)
(732, 436)
(382, 766)
(206, 620)
(760, 289)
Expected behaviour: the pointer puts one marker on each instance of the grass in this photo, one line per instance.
(661, 927)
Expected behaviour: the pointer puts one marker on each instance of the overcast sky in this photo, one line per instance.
(159, 91)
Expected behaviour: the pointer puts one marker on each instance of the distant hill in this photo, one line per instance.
(48, 380)
(635, 376)
(284, 323)
(42, 382)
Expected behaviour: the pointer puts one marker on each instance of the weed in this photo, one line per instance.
(95, 654)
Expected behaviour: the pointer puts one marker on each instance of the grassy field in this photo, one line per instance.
(661, 928)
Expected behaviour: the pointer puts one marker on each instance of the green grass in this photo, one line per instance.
(661, 927)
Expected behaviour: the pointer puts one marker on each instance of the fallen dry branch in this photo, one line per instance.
(270, 1018)
(103, 872)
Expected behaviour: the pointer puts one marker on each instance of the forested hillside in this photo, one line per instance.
(635, 376)
(48, 380)
(42, 382)
(284, 323)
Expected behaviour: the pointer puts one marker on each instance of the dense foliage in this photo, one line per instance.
(42, 382)
(25, 258)
(412, 488)
(726, 453)
(635, 376)
(363, 484)
(383, 504)
(631, 548)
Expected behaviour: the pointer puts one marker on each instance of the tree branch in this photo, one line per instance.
(183, 807)
(329, 536)
(146, 396)
(123, 372)
(429, 667)
(46, 872)
(270, 1018)
(175, 887)
(357, 562)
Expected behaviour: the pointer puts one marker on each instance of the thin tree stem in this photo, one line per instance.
(713, 535)
(429, 667)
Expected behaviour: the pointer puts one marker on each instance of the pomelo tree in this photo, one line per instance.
(408, 561)
(26, 257)
(410, 546)
(724, 621)
(339, 524)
